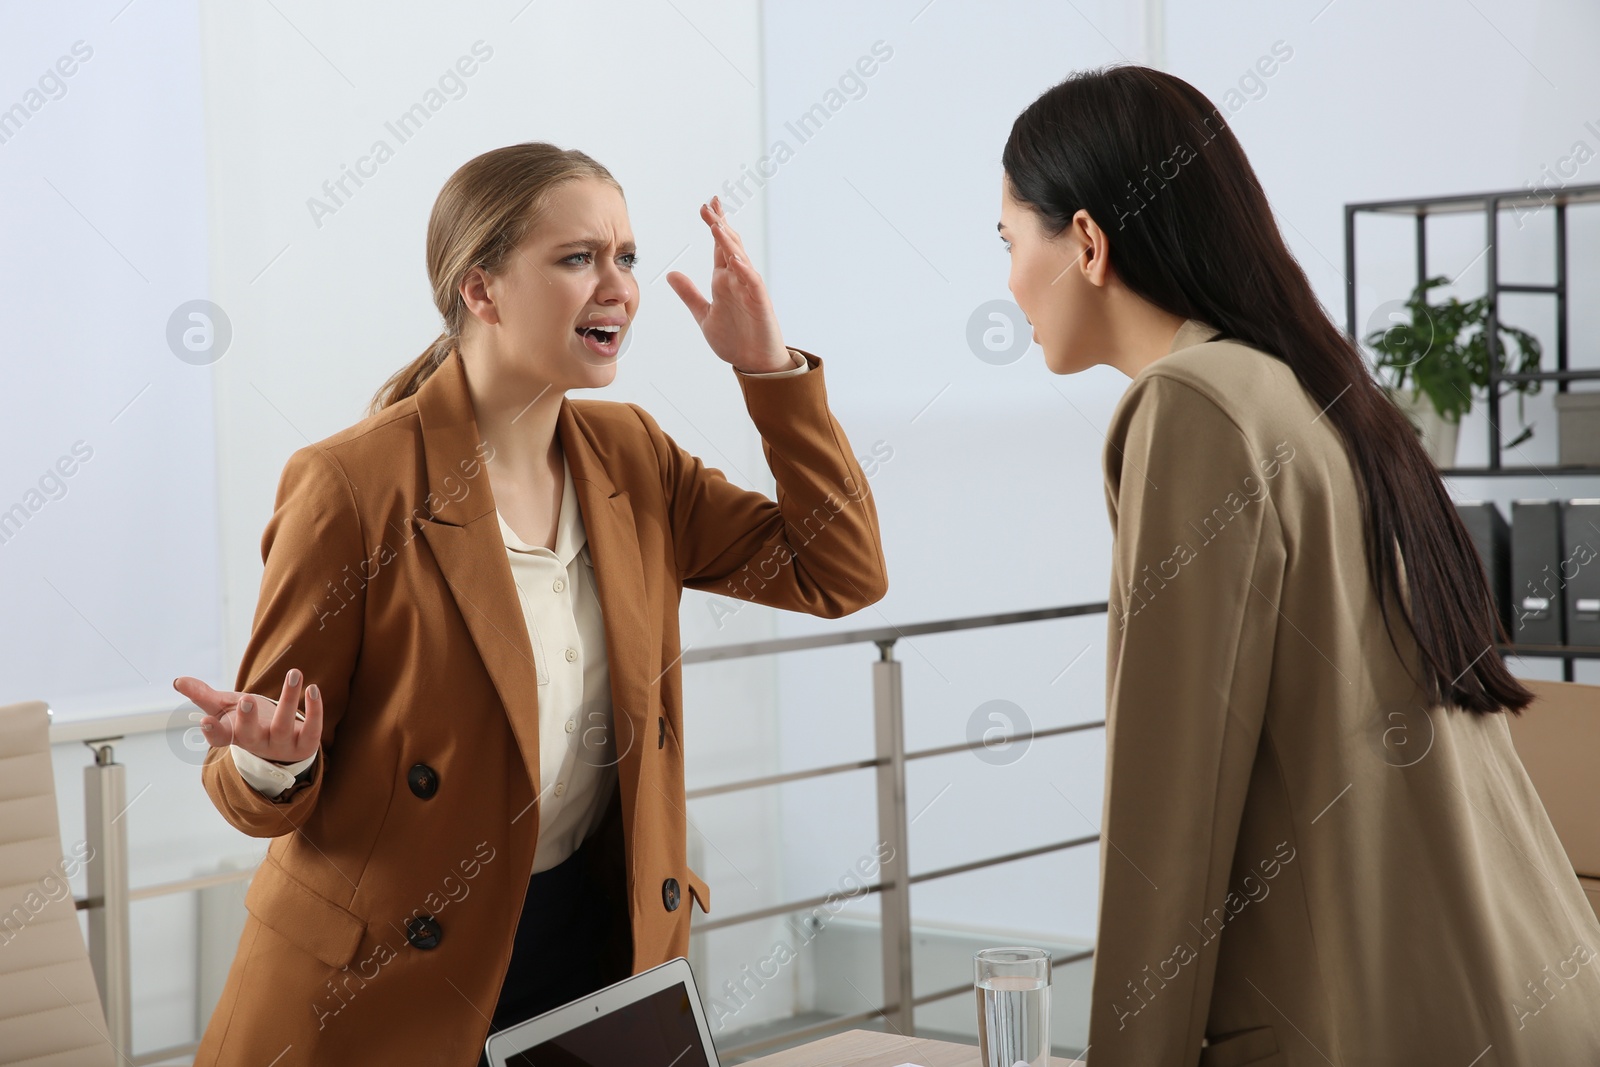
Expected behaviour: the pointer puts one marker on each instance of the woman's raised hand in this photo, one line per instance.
(738, 321)
(270, 730)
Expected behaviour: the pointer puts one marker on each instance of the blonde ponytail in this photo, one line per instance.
(408, 379)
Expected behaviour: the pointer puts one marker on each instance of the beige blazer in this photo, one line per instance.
(380, 923)
(1301, 863)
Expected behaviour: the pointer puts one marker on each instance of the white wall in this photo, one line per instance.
(111, 582)
(883, 246)
(107, 501)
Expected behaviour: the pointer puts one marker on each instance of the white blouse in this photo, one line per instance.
(577, 751)
(561, 610)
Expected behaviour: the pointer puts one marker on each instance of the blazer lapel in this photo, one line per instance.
(464, 534)
(619, 575)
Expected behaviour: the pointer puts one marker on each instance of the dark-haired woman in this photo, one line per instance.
(481, 814)
(1319, 846)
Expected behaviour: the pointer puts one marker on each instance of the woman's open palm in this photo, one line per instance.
(273, 731)
(738, 321)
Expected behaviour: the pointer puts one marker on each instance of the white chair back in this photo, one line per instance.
(50, 1013)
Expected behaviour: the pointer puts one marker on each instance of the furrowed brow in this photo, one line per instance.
(589, 244)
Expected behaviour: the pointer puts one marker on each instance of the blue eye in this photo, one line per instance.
(628, 259)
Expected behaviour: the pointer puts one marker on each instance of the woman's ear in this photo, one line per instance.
(475, 294)
(1094, 249)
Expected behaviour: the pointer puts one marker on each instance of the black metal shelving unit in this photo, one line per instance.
(1490, 205)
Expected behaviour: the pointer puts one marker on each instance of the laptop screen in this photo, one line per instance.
(656, 1031)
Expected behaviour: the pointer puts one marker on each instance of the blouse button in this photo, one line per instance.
(572, 724)
(558, 585)
(561, 787)
(572, 654)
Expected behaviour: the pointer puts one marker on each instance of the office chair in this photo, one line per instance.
(50, 1013)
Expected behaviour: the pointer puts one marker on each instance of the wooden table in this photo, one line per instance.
(865, 1048)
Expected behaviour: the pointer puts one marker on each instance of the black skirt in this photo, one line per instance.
(573, 936)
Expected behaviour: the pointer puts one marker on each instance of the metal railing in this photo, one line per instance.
(109, 894)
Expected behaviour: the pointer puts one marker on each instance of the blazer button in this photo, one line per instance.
(423, 779)
(423, 931)
(669, 894)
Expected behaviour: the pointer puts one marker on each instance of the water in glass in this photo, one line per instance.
(1013, 1014)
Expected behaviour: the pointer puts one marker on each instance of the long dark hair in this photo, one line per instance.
(1156, 166)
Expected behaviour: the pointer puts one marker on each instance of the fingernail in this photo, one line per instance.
(205, 726)
(247, 705)
(294, 676)
(313, 692)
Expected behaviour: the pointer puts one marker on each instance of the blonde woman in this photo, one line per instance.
(479, 814)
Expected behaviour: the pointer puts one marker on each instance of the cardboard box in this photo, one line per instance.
(1591, 886)
(1557, 738)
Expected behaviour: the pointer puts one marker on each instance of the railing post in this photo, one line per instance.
(104, 800)
(894, 873)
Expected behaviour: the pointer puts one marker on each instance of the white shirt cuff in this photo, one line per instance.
(268, 778)
(805, 365)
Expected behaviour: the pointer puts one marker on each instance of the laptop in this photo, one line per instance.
(653, 1019)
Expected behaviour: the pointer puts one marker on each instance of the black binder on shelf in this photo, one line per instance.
(1492, 537)
(1537, 588)
(1580, 569)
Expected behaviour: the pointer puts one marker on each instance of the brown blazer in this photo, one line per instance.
(387, 584)
(1302, 862)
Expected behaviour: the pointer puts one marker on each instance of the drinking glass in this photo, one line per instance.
(1013, 988)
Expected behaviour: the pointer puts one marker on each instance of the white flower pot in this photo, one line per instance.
(1437, 432)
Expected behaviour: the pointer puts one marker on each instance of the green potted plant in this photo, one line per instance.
(1436, 363)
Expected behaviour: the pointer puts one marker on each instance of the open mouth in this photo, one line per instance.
(602, 340)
